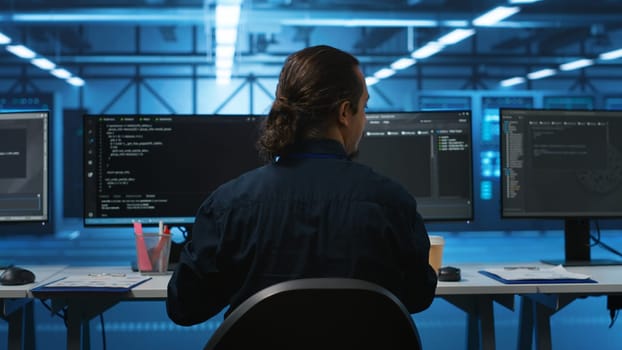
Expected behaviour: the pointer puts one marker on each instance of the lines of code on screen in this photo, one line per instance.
(152, 168)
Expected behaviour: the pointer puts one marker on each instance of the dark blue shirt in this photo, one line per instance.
(313, 213)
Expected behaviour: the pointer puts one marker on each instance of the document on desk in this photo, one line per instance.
(524, 275)
(94, 282)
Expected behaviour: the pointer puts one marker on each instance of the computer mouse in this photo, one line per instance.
(15, 276)
(449, 274)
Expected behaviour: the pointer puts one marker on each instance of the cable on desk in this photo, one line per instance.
(62, 314)
(614, 316)
(597, 241)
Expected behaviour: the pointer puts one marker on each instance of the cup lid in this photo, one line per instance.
(436, 240)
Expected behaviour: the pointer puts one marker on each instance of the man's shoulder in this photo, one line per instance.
(381, 186)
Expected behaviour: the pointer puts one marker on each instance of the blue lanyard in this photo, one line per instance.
(316, 155)
(313, 156)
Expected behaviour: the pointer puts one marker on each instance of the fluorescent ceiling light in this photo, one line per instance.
(226, 36)
(384, 73)
(61, 73)
(75, 81)
(223, 76)
(371, 81)
(523, 1)
(581, 63)
(224, 64)
(225, 51)
(495, 15)
(43, 63)
(227, 15)
(455, 36)
(21, 51)
(403, 63)
(226, 18)
(371, 22)
(427, 50)
(542, 73)
(4, 39)
(512, 81)
(611, 55)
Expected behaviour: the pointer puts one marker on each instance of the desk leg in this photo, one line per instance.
(79, 312)
(19, 314)
(525, 324)
(15, 320)
(480, 320)
(487, 323)
(543, 328)
(535, 316)
(29, 327)
(74, 329)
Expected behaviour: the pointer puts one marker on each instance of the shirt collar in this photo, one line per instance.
(319, 147)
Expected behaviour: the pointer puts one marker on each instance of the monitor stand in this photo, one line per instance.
(577, 246)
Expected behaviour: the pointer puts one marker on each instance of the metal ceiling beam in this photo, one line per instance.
(278, 59)
(297, 17)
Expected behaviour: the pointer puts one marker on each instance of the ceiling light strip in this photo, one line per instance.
(4, 39)
(226, 19)
(40, 62)
(431, 48)
(569, 66)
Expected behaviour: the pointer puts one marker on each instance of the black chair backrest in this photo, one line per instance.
(318, 313)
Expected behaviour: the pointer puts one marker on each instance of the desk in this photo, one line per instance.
(545, 300)
(81, 307)
(475, 294)
(17, 309)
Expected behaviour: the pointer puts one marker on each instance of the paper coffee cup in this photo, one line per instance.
(437, 243)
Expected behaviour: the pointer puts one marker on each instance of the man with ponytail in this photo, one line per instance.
(310, 211)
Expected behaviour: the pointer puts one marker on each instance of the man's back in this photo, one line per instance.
(317, 214)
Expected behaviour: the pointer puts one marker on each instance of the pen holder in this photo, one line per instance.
(152, 252)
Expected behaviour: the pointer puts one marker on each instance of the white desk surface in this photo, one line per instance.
(473, 283)
(609, 280)
(43, 274)
(155, 288)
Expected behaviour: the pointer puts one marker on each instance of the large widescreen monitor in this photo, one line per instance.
(25, 172)
(152, 168)
(429, 153)
(564, 164)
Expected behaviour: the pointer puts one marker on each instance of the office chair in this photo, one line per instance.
(318, 313)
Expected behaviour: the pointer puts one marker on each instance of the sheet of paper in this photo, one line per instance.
(99, 280)
(536, 273)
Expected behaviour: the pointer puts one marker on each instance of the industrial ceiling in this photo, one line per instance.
(90, 33)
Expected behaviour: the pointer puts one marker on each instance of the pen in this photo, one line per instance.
(106, 274)
(521, 267)
(144, 263)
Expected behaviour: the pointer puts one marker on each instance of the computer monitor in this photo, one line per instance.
(25, 172)
(564, 164)
(429, 153)
(151, 168)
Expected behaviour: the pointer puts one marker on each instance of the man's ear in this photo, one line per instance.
(345, 111)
